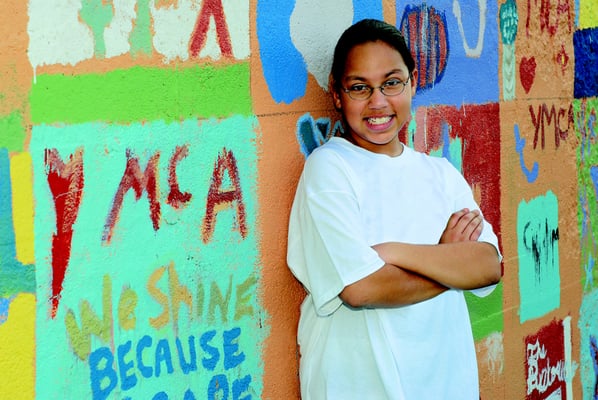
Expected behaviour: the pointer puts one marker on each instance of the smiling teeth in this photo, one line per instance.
(378, 120)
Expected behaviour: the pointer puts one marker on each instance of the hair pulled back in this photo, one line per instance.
(365, 31)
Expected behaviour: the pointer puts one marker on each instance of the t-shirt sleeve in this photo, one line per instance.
(464, 199)
(327, 248)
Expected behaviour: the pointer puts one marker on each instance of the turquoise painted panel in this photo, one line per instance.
(147, 260)
(538, 251)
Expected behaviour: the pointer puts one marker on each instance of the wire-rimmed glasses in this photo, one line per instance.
(361, 91)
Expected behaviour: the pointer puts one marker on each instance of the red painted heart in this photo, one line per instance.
(527, 72)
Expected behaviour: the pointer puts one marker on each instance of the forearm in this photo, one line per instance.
(460, 265)
(391, 286)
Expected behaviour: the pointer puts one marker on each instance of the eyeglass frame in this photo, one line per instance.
(381, 87)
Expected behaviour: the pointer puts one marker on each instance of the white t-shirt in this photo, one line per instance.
(347, 200)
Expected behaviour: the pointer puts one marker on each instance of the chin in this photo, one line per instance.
(381, 140)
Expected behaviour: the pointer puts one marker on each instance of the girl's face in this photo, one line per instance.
(374, 124)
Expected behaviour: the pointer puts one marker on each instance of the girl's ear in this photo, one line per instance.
(413, 82)
(336, 99)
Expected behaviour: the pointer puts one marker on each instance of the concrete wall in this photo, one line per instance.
(149, 152)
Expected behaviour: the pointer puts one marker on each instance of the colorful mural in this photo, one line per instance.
(149, 151)
(180, 307)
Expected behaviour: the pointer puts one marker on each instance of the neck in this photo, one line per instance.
(392, 150)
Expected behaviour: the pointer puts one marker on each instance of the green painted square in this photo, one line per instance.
(486, 313)
(587, 175)
(12, 132)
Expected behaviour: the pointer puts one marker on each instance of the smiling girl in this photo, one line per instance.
(385, 240)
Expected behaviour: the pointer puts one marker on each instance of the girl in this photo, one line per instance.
(385, 239)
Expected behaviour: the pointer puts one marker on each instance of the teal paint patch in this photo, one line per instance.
(508, 20)
(176, 309)
(141, 36)
(537, 248)
(451, 149)
(588, 328)
(97, 16)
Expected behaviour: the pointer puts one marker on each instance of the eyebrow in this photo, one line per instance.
(392, 72)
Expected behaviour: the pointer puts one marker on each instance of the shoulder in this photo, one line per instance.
(330, 167)
(335, 145)
(438, 169)
(334, 152)
(435, 162)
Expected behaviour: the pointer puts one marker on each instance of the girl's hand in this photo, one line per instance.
(463, 225)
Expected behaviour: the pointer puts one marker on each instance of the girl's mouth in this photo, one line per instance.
(379, 122)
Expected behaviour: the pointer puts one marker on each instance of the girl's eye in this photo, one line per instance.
(392, 83)
(359, 88)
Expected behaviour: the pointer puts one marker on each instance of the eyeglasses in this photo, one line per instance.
(361, 91)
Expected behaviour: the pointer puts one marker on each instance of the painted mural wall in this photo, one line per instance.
(149, 151)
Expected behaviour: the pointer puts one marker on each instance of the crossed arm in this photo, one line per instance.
(414, 273)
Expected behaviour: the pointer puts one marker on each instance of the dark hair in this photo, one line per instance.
(365, 31)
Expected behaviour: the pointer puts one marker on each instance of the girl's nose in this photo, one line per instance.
(377, 99)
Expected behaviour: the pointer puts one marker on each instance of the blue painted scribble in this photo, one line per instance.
(589, 268)
(312, 134)
(594, 175)
(585, 219)
(4, 306)
(189, 395)
(284, 69)
(532, 174)
(451, 149)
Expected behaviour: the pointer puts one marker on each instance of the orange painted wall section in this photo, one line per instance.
(149, 153)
